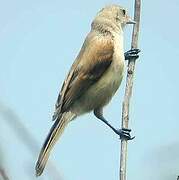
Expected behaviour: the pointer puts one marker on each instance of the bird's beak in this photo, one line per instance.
(130, 21)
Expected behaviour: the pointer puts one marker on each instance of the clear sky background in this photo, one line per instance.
(39, 40)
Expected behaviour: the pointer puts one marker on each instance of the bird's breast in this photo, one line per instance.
(101, 92)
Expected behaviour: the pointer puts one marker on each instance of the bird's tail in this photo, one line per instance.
(55, 132)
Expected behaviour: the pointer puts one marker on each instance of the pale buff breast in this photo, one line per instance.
(99, 94)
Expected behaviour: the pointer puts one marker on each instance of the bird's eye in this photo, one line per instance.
(124, 12)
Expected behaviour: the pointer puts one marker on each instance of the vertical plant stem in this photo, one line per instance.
(128, 91)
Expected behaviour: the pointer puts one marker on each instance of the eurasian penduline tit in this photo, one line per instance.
(94, 77)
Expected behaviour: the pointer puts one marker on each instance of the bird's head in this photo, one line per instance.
(114, 14)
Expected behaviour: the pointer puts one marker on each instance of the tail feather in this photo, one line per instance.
(55, 132)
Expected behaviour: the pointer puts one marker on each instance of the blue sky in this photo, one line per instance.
(38, 43)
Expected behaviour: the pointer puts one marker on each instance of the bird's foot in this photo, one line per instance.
(131, 54)
(124, 134)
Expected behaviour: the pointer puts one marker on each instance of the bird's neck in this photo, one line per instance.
(106, 26)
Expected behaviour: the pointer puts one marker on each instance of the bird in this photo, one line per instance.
(94, 77)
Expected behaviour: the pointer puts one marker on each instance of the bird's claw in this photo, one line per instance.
(131, 54)
(125, 134)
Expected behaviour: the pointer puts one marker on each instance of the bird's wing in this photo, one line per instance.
(93, 60)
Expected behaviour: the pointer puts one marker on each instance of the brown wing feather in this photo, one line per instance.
(94, 59)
